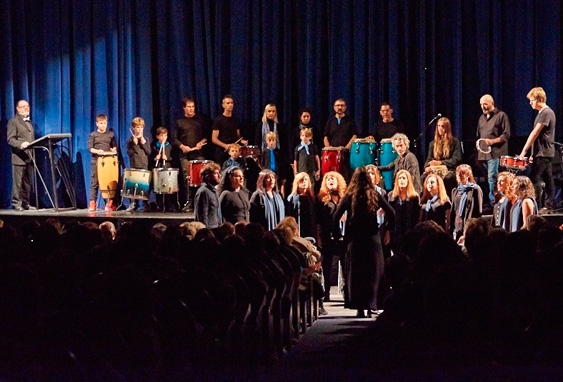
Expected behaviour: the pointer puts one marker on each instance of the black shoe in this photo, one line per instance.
(361, 314)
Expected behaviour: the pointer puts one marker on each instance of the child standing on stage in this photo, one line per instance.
(138, 150)
(162, 158)
(306, 158)
(100, 141)
(272, 160)
(234, 159)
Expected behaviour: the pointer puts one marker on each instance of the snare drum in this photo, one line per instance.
(333, 159)
(362, 153)
(250, 152)
(514, 163)
(195, 167)
(386, 156)
(165, 180)
(108, 174)
(136, 183)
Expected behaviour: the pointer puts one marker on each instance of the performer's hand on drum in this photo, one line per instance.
(243, 142)
(113, 149)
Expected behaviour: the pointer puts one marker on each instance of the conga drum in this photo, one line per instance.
(107, 167)
(386, 156)
(165, 180)
(333, 159)
(362, 153)
(136, 183)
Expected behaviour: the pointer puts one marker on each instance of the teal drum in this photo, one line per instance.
(362, 153)
(386, 156)
(136, 183)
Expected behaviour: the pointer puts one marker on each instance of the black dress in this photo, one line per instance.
(364, 258)
(407, 213)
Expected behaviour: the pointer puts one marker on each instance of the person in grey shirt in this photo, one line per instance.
(493, 128)
(206, 201)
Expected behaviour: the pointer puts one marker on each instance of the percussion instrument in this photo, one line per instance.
(440, 170)
(333, 159)
(250, 152)
(108, 174)
(195, 167)
(165, 180)
(386, 156)
(136, 183)
(362, 153)
(514, 163)
(482, 146)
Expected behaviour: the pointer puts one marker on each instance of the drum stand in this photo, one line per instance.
(187, 206)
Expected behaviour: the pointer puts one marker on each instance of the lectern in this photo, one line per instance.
(49, 143)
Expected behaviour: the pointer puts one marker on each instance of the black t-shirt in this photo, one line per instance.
(227, 127)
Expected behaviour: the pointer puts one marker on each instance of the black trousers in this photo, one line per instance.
(21, 186)
(542, 170)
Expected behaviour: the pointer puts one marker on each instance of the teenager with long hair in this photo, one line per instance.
(405, 201)
(435, 204)
(444, 150)
(467, 200)
(301, 205)
(525, 204)
(505, 197)
(364, 259)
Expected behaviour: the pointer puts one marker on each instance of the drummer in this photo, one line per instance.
(138, 150)
(161, 154)
(387, 126)
(100, 141)
(340, 130)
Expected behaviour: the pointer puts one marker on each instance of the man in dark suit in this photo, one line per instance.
(20, 134)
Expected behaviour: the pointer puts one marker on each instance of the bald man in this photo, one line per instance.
(494, 128)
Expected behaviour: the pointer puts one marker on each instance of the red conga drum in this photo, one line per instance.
(333, 159)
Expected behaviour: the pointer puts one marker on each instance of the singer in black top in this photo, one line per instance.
(20, 133)
(226, 130)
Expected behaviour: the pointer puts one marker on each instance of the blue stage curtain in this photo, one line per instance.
(75, 59)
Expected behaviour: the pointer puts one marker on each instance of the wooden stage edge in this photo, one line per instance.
(17, 218)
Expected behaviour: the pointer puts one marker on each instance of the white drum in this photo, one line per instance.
(165, 180)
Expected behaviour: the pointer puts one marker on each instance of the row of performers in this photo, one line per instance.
(306, 157)
(358, 218)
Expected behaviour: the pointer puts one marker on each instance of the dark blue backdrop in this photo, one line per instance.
(75, 59)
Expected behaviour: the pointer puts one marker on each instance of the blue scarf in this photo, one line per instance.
(429, 203)
(272, 160)
(305, 146)
(159, 145)
(273, 209)
(463, 190)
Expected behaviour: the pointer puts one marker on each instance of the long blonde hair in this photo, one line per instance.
(298, 178)
(324, 192)
(396, 191)
(443, 145)
(442, 194)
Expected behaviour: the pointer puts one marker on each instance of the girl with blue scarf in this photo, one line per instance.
(467, 200)
(435, 204)
(525, 204)
(501, 209)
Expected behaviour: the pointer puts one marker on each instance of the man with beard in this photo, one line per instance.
(207, 207)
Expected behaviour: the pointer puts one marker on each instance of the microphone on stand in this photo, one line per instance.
(434, 119)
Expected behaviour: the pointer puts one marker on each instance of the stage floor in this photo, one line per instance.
(16, 218)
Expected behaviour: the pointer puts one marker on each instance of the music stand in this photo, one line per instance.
(47, 143)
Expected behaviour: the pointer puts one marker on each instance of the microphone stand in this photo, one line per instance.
(424, 133)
